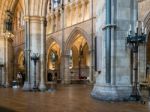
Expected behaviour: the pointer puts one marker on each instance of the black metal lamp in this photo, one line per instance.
(35, 57)
(133, 41)
(138, 38)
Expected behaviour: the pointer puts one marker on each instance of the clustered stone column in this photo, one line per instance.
(117, 84)
(42, 86)
(52, 22)
(77, 12)
(71, 13)
(6, 64)
(73, 9)
(36, 43)
(27, 83)
(82, 9)
(2, 80)
(91, 67)
(57, 20)
(67, 79)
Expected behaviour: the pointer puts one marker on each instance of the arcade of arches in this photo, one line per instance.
(71, 43)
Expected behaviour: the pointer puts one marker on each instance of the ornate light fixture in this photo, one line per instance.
(35, 57)
(133, 41)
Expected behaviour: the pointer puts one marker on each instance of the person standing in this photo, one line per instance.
(19, 78)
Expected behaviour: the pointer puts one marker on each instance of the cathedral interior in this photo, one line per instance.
(74, 55)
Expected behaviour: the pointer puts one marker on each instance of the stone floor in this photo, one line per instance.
(72, 98)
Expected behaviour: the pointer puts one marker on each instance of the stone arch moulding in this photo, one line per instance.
(51, 39)
(73, 34)
(18, 51)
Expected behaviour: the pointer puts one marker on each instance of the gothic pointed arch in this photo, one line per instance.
(50, 40)
(18, 51)
(19, 61)
(73, 36)
(52, 46)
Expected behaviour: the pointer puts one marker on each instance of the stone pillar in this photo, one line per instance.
(67, 75)
(90, 7)
(73, 14)
(65, 15)
(119, 87)
(91, 67)
(35, 43)
(70, 16)
(62, 68)
(0, 75)
(6, 67)
(55, 21)
(3, 76)
(42, 86)
(48, 28)
(27, 83)
(62, 25)
(34, 34)
(142, 63)
(6, 62)
(52, 23)
(77, 12)
(88, 10)
(35, 46)
(82, 9)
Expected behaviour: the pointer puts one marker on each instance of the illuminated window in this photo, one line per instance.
(56, 3)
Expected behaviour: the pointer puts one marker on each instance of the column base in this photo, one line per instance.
(6, 85)
(66, 82)
(27, 86)
(42, 87)
(111, 92)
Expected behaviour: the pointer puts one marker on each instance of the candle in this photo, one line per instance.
(145, 31)
(136, 27)
(136, 30)
(142, 27)
(130, 28)
(137, 24)
(128, 34)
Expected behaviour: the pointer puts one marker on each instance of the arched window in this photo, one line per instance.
(56, 3)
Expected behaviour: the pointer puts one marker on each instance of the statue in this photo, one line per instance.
(53, 56)
(8, 22)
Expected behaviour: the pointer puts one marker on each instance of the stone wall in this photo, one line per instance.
(85, 26)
